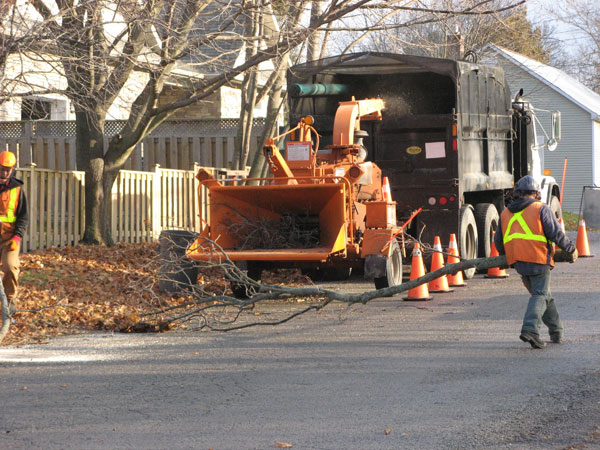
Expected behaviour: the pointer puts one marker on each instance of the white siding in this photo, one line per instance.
(577, 132)
(596, 171)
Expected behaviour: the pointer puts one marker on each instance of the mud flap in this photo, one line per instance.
(375, 266)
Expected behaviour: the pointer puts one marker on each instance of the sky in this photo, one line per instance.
(537, 14)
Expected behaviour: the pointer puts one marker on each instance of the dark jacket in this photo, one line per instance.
(21, 212)
(552, 231)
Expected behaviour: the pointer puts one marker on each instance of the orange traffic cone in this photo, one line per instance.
(385, 188)
(437, 262)
(583, 246)
(495, 272)
(417, 270)
(455, 280)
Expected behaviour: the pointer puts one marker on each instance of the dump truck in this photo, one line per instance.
(453, 141)
(448, 137)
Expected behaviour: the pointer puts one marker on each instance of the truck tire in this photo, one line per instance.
(486, 217)
(556, 207)
(467, 237)
(393, 269)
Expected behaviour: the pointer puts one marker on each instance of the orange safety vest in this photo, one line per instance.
(9, 200)
(524, 238)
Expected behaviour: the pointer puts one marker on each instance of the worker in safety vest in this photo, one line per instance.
(526, 231)
(13, 222)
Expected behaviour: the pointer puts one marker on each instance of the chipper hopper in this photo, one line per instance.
(325, 211)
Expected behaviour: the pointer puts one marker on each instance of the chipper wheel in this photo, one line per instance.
(393, 269)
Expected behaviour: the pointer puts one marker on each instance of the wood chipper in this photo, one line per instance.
(323, 211)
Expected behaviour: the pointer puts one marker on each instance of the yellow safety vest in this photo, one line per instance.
(9, 201)
(524, 238)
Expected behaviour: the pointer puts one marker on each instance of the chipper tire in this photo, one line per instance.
(393, 269)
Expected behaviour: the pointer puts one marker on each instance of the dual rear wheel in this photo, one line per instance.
(477, 226)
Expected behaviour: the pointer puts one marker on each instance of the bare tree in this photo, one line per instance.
(20, 39)
(432, 31)
(99, 46)
(582, 20)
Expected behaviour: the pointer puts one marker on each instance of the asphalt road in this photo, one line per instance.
(449, 373)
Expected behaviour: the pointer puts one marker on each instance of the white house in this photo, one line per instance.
(35, 71)
(550, 89)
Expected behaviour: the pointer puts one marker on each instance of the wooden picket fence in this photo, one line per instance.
(142, 204)
(176, 144)
(55, 201)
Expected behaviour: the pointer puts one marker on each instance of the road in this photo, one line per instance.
(449, 373)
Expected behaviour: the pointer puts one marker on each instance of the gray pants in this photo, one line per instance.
(541, 307)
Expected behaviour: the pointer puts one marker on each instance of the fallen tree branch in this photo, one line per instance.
(480, 263)
(276, 292)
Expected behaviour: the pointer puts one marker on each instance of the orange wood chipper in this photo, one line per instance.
(324, 211)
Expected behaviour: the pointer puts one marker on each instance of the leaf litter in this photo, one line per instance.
(86, 288)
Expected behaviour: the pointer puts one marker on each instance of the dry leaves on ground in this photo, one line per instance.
(83, 288)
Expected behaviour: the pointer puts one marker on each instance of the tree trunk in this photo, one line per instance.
(313, 47)
(90, 159)
(253, 30)
(244, 132)
(273, 108)
(106, 212)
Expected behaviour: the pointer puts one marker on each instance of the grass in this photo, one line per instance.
(571, 221)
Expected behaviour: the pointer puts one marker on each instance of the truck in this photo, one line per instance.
(453, 141)
(432, 147)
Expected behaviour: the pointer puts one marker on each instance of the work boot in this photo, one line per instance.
(556, 339)
(533, 339)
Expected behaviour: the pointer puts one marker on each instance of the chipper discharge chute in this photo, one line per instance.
(321, 211)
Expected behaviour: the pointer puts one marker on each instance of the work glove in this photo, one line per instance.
(13, 243)
(572, 257)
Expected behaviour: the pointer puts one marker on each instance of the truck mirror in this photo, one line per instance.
(556, 126)
(551, 144)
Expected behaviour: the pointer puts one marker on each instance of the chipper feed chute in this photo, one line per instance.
(300, 222)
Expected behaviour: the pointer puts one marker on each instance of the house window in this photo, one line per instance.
(35, 109)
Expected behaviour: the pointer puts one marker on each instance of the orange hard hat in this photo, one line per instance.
(7, 159)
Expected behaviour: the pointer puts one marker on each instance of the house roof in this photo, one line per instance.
(556, 79)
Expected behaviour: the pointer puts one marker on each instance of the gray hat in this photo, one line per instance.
(527, 184)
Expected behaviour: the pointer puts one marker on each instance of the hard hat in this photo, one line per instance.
(527, 184)
(7, 159)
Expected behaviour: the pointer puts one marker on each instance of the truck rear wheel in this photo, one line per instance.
(467, 237)
(486, 217)
(556, 207)
(393, 269)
